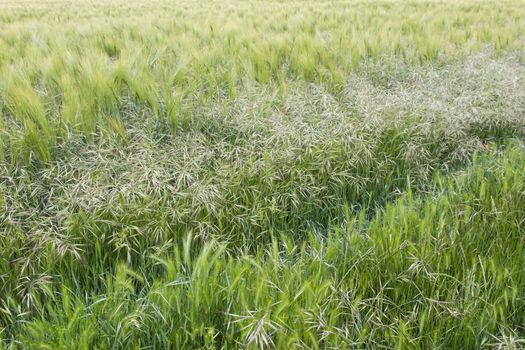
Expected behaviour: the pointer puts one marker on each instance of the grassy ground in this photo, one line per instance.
(258, 174)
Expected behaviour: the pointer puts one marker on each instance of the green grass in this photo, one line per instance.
(79, 64)
(442, 269)
(299, 174)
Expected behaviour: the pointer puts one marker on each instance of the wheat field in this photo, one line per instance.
(253, 174)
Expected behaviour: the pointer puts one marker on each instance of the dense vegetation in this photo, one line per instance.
(260, 174)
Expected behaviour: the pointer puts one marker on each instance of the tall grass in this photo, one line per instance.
(442, 269)
(276, 175)
(84, 70)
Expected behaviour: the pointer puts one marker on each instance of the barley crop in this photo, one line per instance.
(262, 174)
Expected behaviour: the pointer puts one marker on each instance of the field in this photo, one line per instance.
(251, 174)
